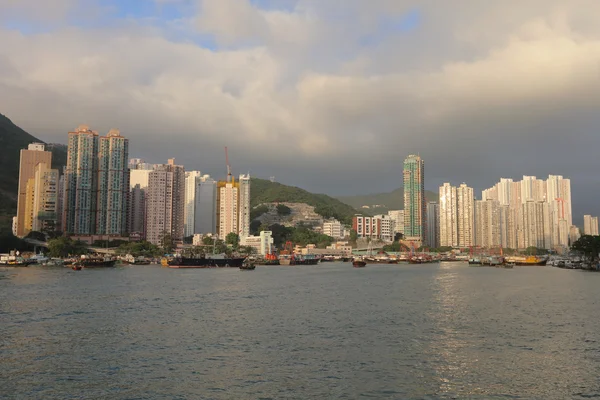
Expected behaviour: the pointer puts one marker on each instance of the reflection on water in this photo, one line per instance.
(329, 331)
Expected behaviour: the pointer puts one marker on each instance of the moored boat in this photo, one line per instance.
(359, 262)
(213, 261)
(531, 261)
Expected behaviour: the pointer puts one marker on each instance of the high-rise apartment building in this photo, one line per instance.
(448, 216)
(233, 206)
(45, 198)
(165, 203)
(139, 178)
(556, 216)
(590, 225)
(466, 215)
(30, 158)
(415, 213)
(191, 179)
(81, 183)
(113, 184)
(433, 224)
(205, 212)
(487, 224)
(96, 183)
(244, 206)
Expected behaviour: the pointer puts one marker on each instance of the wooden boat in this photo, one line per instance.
(359, 263)
(247, 267)
(76, 267)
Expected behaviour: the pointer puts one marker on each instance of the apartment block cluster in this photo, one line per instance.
(101, 194)
(512, 214)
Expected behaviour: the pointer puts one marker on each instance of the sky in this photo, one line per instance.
(329, 95)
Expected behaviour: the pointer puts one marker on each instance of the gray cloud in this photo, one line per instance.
(318, 96)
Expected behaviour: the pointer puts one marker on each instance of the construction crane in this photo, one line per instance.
(229, 176)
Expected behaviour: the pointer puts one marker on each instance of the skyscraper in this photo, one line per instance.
(81, 183)
(45, 198)
(448, 216)
(233, 206)
(414, 199)
(113, 184)
(139, 177)
(96, 183)
(191, 179)
(205, 213)
(30, 158)
(466, 215)
(165, 203)
(487, 223)
(433, 224)
(244, 206)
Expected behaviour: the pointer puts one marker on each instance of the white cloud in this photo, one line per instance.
(306, 81)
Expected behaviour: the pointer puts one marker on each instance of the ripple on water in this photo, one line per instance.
(420, 332)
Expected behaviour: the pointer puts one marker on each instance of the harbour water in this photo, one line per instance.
(435, 331)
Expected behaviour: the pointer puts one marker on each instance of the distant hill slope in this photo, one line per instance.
(265, 191)
(387, 201)
(12, 140)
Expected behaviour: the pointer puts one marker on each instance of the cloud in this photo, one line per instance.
(314, 92)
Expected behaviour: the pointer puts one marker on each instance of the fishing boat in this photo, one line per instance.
(76, 267)
(209, 261)
(475, 261)
(247, 266)
(359, 262)
(95, 262)
(531, 260)
(131, 260)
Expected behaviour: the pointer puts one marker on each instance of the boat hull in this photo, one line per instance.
(359, 264)
(206, 262)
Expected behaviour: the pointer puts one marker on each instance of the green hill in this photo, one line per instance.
(12, 140)
(265, 191)
(386, 201)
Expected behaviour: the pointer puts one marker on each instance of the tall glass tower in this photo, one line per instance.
(415, 220)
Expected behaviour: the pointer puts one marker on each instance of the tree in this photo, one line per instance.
(167, 243)
(188, 239)
(248, 250)
(353, 235)
(208, 240)
(64, 247)
(35, 235)
(233, 239)
(589, 246)
(282, 209)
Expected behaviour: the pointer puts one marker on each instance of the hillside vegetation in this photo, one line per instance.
(265, 191)
(388, 201)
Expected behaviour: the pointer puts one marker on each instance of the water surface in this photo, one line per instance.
(328, 331)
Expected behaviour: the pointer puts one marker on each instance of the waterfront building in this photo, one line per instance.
(366, 227)
(555, 192)
(81, 184)
(448, 216)
(30, 158)
(590, 225)
(191, 181)
(385, 225)
(333, 228)
(433, 224)
(398, 217)
(266, 243)
(414, 199)
(165, 203)
(113, 184)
